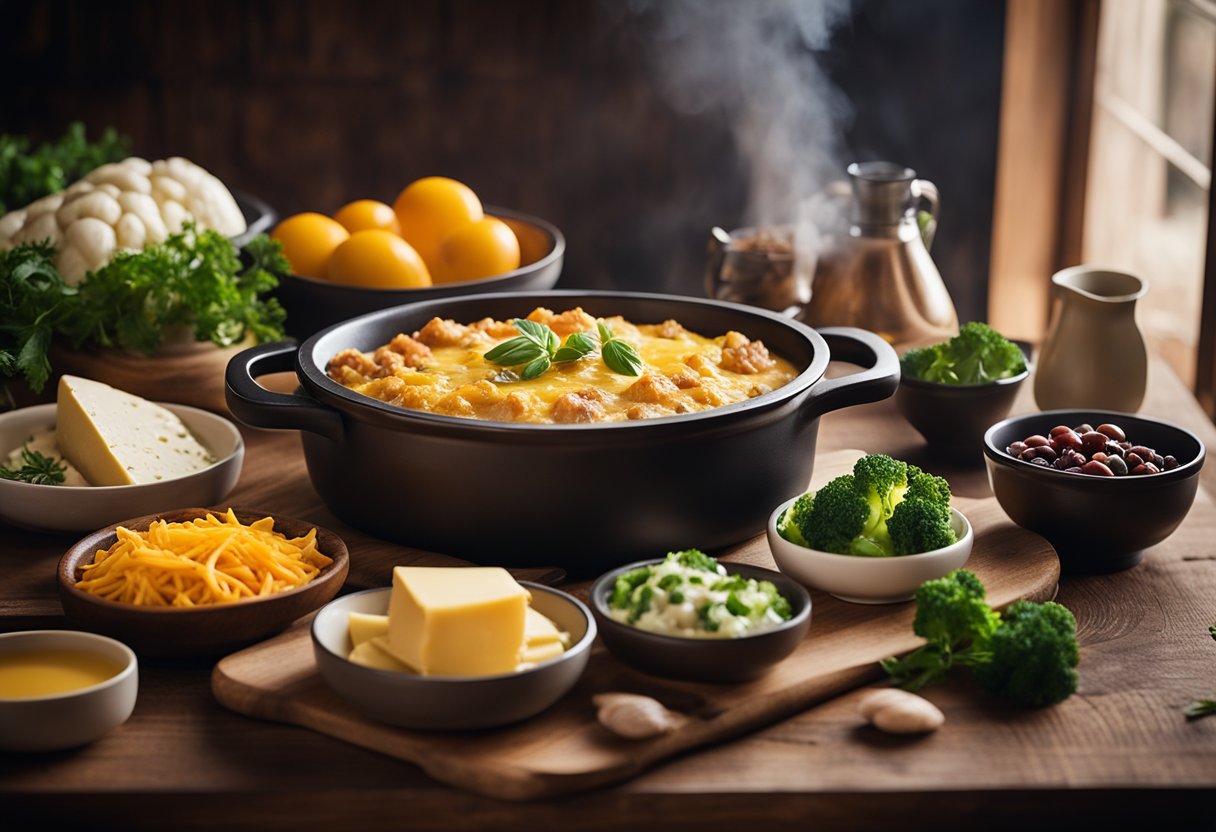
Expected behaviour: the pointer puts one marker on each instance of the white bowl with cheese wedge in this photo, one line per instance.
(82, 508)
(387, 690)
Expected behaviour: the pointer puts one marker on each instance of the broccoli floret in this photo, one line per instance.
(919, 525)
(977, 355)
(1034, 655)
(1028, 656)
(795, 519)
(927, 486)
(837, 516)
(696, 559)
(956, 621)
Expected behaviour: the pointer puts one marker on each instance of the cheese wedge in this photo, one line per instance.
(456, 622)
(374, 653)
(114, 438)
(536, 653)
(366, 625)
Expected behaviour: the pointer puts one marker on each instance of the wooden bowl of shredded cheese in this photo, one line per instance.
(200, 580)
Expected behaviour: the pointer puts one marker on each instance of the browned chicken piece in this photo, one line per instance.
(702, 366)
(739, 355)
(652, 388)
(498, 330)
(670, 328)
(453, 404)
(388, 362)
(415, 353)
(685, 379)
(516, 407)
(571, 321)
(541, 315)
(579, 406)
(353, 360)
(447, 333)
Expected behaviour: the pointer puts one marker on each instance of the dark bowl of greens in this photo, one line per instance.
(712, 622)
(952, 392)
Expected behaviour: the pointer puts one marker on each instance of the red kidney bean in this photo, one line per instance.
(1096, 468)
(1170, 463)
(1093, 442)
(1030, 454)
(1100, 457)
(1113, 431)
(1067, 439)
(1116, 465)
(1016, 449)
(1113, 448)
(1035, 441)
(1141, 451)
(1146, 468)
(1076, 469)
(1133, 459)
(1159, 460)
(1046, 452)
(1038, 460)
(1058, 429)
(1084, 428)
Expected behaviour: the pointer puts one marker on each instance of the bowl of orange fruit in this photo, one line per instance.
(436, 240)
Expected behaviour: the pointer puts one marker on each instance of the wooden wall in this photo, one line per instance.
(544, 106)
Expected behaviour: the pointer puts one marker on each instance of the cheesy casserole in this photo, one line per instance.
(441, 369)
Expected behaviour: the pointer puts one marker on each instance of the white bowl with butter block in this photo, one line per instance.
(151, 457)
(510, 671)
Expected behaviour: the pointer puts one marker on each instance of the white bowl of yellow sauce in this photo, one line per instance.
(62, 689)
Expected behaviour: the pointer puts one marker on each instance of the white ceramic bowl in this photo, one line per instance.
(863, 580)
(67, 720)
(450, 703)
(56, 508)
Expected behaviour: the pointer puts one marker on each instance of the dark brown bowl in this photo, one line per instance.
(312, 304)
(1096, 524)
(198, 630)
(954, 417)
(704, 659)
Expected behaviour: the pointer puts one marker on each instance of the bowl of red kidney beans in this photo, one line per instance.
(1102, 487)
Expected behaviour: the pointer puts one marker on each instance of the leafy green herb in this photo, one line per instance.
(1202, 707)
(36, 468)
(194, 281)
(620, 356)
(538, 347)
(27, 175)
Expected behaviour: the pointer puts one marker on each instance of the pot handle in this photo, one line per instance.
(856, 346)
(258, 407)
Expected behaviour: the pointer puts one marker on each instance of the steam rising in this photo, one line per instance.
(756, 61)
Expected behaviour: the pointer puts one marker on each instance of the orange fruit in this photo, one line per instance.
(363, 214)
(482, 248)
(430, 209)
(378, 259)
(308, 240)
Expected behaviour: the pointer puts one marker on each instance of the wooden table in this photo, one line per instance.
(1118, 751)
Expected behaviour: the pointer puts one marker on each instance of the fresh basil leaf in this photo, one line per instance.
(577, 345)
(604, 330)
(551, 341)
(536, 368)
(518, 350)
(621, 357)
(534, 331)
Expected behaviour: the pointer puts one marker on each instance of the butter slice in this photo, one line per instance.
(540, 630)
(374, 653)
(536, 653)
(366, 625)
(456, 622)
(114, 438)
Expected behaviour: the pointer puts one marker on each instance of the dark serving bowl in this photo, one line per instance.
(704, 659)
(259, 217)
(313, 304)
(585, 497)
(1096, 524)
(954, 417)
(202, 630)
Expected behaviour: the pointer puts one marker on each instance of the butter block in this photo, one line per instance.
(115, 438)
(456, 622)
(374, 653)
(366, 625)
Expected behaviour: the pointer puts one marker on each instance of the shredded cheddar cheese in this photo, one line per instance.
(210, 560)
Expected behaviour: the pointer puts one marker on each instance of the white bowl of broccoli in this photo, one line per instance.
(873, 536)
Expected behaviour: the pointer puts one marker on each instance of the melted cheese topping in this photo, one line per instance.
(442, 369)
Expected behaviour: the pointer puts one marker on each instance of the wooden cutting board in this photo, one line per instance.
(565, 750)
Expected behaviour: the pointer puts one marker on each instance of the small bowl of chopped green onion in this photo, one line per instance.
(690, 617)
(954, 391)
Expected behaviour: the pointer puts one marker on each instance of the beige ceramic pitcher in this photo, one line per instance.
(1094, 355)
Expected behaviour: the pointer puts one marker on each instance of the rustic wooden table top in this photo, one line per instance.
(1120, 750)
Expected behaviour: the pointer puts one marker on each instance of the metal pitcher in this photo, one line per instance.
(875, 272)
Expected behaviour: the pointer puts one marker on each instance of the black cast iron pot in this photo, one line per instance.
(584, 497)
